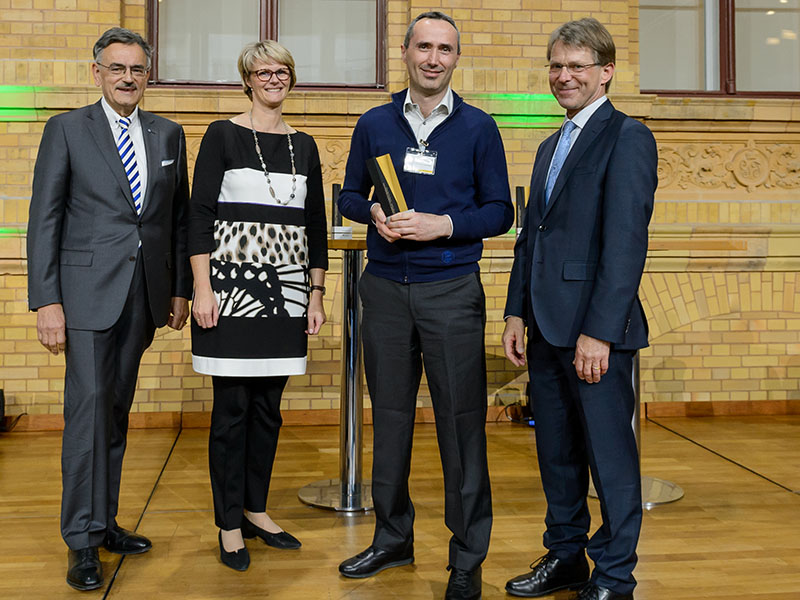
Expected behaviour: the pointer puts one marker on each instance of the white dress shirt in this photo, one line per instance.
(424, 126)
(580, 121)
(137, 137)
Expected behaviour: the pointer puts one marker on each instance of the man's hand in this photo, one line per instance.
(419, 227)
(51, 327)
(205, 308)
(514, 340)
(179, 312)
(380, 223)
(591, 358)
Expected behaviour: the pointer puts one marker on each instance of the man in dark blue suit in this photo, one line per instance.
(577, 267)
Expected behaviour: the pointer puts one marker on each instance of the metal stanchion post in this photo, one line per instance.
(654, 491)
(349, 492)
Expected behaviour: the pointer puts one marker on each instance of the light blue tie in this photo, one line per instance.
(562, 149)
(128, 156)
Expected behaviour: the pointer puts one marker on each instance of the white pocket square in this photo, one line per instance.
(169, 161)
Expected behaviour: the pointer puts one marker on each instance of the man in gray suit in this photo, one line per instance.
(107, 264)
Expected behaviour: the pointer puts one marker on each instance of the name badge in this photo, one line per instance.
(422, 162)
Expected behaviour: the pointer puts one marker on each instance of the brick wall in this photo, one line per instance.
(720, 288)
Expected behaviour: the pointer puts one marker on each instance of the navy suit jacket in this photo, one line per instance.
(579, 259)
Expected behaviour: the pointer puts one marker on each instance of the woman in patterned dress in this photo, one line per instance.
(258, 250)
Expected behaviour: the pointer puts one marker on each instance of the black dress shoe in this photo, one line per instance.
(374, 560)
(282, 540)
(550, 574)
(463, 584)
(84, 571)
(122, 541)
(237, 560)
(595, 592)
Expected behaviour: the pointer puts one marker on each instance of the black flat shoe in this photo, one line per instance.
(238, 560)
(122, 541)
(84, 571)
(374, 560)
(282, 540)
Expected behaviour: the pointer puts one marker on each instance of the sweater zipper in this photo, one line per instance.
(410, 133)
(413, 181)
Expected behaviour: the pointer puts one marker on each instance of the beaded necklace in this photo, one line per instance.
(264, 166)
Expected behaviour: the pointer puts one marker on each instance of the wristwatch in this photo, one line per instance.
(321, 288)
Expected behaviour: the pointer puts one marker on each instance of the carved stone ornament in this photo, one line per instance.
(748, 165)
(333, 156)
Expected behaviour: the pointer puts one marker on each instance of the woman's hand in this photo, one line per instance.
(316, 313)
(204, 308)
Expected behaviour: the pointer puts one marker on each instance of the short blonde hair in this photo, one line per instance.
(264, 51)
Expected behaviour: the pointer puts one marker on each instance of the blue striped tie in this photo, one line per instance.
(128, 156)
(562, 149)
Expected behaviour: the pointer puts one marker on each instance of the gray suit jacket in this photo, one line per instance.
(83, 230)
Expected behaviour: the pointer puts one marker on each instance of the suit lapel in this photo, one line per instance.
(539, 176)
(533, 214)
(101, 132)
(151, 144)
(596, 124)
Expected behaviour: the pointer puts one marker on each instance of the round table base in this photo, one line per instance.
(328, 493)
(654, 492)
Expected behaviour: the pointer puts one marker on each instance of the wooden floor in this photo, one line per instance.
(735, 535)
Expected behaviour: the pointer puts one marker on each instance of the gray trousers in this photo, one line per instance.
(441, 325)
(101, 372)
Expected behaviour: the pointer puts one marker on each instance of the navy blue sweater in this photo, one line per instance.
(470, 185)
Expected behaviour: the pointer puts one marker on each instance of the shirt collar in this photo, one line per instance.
(586, 112)
(445, 106)
(112, 115)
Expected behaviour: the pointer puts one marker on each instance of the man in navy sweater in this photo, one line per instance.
(422, 298)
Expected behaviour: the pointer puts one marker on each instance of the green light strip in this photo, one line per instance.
(17, 89)
(17, 102)
(516, 97)
(17, 114)
(6, 232)
(528, 121)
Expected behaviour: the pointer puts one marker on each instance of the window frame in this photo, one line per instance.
(268, 29)
(727, 64)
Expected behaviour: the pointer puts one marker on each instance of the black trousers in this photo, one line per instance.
(100, 380)
(245, 422)
(582, 427)
(440, 325)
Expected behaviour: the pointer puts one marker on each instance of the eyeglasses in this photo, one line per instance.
(555, 68)
(117, 69)
(265, 74)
